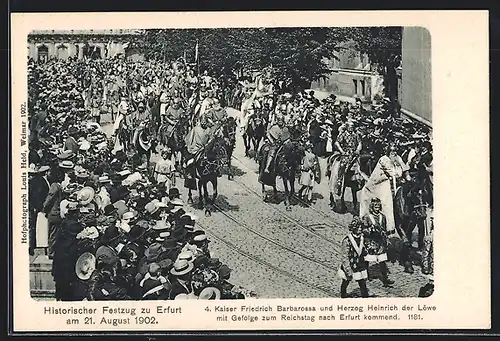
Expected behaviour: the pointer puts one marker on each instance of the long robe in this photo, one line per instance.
(379, 186)
(196, 139)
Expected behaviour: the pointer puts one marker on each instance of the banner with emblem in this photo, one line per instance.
(263, 83)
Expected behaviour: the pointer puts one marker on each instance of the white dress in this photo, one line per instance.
(379, 186)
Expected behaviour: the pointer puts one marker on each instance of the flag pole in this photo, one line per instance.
(197, 57)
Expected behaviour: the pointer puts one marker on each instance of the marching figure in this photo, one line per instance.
(376, 243)
(309, 173)
(353, 259)
(121, 125)
(164, 170)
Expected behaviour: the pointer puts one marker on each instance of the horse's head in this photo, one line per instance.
(291, 156)
(416, 200)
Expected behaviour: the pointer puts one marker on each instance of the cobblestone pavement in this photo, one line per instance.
(279, 253)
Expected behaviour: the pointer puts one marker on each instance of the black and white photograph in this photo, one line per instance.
(230, 163)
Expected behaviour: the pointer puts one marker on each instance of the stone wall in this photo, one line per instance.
(351, 74)
(416, 80)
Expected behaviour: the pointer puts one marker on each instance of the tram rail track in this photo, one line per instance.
(267, 264)
(323, 214)
(272, 241)
(291, 219)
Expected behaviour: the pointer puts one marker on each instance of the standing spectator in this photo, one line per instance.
(51, 207)
(66, 254)
(37, 192)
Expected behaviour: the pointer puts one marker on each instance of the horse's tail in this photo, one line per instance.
(399, 204)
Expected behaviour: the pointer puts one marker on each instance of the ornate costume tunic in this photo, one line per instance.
(376, 238)
(353, 258)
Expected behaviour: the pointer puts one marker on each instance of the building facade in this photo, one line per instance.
(96, 44)
(415, 83)
(352, 75)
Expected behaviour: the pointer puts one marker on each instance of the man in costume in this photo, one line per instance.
(164, 170)
(353, 264)
(348, 146)
(121, 122)
(277, 135)
(216, 116)
(196, 140)
(376, 238)
(172, 116)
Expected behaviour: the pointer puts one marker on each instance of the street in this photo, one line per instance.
(284, 254)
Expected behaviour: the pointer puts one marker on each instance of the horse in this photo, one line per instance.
(285, 165)
(144, 141)
(176, 141)
(207, 169)
(254, 133)
(410, 211)
(229, 134)
(356, 174)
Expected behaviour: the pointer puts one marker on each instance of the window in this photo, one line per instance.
(43, 53)
(362, 83)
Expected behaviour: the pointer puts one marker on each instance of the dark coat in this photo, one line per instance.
(177, 289)
(66, 251)
(37, 192)
(33, 157)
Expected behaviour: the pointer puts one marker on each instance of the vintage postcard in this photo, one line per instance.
(266, 170)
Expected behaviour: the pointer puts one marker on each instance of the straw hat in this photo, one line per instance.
(36, 170)
(161, 225)
(67, 164)
(186, 255)
(67, 154)
(200, 238)
(163, 236)
(85, 195)
(177, 202)
(210, 293)
(190, 215)
(181, 267)
(152, 207)
(85, 266)
(129, 215)
(104, 179)
(184, 297)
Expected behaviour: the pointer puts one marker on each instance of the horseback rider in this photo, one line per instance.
(197, 139)
(276, 136)
(172, 116)
(216, 116)
(122, 121)
(347, 148)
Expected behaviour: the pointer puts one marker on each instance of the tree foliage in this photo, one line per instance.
(381, 44)
(298, 54)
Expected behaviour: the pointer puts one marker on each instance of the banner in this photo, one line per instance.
(196, 53)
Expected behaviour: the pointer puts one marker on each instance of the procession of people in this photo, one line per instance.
(116, 228)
